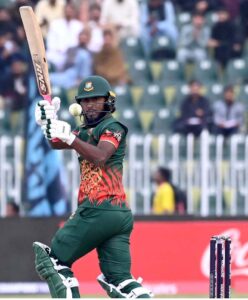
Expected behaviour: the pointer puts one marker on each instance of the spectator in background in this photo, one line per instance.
(48, 11)
(228, 114)
(78, 64)
(109, 62)
(13, 87)
(12, 209)
(14, 10)
(12, 19)
(200, 6)
(6, 24)
(7, 50)
(96, 41)
(206, 6)
(232, 7)
(124, 15)
(62, 35)
(158, 19)
(9, 36)
(195, 112)
(193, 40)
(185, 6)
(164, 198)
(226, 39)
(243, 16)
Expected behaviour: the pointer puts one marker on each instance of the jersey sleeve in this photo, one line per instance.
(76, 131)
(113, 134)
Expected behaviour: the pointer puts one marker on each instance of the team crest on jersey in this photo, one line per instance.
(117, 135)
(88, 86)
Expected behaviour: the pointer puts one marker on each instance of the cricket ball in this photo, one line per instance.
(75, 109)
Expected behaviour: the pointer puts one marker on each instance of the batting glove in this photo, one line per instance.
(58, 129)
(44, 110)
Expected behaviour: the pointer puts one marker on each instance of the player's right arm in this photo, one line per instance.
(97, 154)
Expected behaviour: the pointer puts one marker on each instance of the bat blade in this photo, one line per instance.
(37, 50)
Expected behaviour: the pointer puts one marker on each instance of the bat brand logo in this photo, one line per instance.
(40, 78)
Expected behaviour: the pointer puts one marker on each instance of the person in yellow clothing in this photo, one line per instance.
(164, 198)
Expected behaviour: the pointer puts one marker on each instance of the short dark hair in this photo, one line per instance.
(14, 206)
(165, 172)
(222, 8)
(197, 14)
(228, 88)
(94, 6)
(195, 81)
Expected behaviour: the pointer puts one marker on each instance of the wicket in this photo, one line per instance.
(220, 267)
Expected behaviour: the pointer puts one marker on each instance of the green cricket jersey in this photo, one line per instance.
(103, 184)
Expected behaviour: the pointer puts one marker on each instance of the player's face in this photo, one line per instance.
(93, 107)
(229, 96)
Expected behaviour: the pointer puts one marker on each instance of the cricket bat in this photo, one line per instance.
(37, 51)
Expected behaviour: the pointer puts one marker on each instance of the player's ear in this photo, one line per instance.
(111, 98)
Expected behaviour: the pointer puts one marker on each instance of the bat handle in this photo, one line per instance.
(49, 98)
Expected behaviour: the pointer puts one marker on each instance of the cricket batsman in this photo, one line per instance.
(103, 219)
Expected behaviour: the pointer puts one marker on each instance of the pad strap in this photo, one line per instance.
(69, 283)
(136, 292)
(125, 283)
(116, 291)
(57, 266)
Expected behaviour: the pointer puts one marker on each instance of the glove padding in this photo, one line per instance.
(58, 129)
(44, 110)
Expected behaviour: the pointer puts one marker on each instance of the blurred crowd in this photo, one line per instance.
(86, 37)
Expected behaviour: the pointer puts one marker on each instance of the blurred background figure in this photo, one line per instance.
(48, 11)
(228, 114)
(203, 6)
(96, 40)
(109, 62)
(14, 10)
(123, 14)
(164, 198)
(226, 38)
(7, 51)
(63, 34)
(193, 40)
(12, 209)
(158, 18)
(199, 6)
(7, 25)
(78, 63)
(13, 87)
(243, 16)
(9, 40)
(195, 112)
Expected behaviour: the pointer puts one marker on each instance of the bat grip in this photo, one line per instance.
(49, 98)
